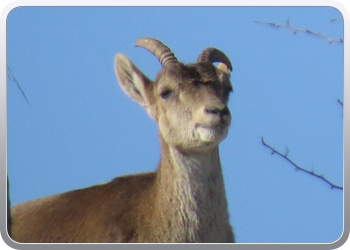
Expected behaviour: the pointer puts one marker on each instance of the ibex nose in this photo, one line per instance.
(219, 110)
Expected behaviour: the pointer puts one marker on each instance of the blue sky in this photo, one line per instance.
(79, 129)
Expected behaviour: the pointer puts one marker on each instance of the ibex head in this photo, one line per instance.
(189, 102)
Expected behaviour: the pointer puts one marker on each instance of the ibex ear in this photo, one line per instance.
(132, 81)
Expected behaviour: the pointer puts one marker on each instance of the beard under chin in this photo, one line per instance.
(214, 135)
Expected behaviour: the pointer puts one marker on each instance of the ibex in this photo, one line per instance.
(184, 200)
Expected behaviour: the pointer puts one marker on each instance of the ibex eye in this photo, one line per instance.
(166, 93)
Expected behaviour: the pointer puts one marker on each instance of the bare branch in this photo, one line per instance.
(336, 20)
(340, 102)
(296, 30)
(11, 77)
(273, 151)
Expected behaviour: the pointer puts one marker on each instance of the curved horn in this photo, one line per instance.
(214, 55)
(157, 48)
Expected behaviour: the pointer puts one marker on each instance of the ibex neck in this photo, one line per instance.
(191, 195)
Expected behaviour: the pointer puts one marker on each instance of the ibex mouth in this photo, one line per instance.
(217, 126)
(218, 122)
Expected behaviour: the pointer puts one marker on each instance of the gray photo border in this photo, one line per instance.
(9, 243)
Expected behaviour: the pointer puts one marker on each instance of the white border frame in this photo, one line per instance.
(8, 6)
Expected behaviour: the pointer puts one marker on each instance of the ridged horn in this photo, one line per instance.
(214, 55)
(157, 48)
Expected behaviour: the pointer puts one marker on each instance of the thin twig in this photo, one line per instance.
(336, 20)
(273, 151)
(11, 77)
(296, 30)
(341, 103)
